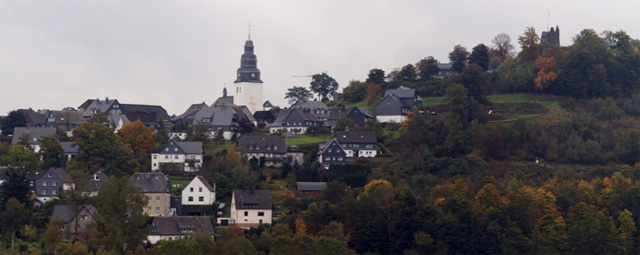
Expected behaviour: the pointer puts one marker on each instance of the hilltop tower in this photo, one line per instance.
(551, 37)
(248, 84)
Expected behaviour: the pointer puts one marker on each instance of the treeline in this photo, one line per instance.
(594, 65)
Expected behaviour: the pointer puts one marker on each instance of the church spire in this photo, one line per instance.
(249, 32)
(248, 71)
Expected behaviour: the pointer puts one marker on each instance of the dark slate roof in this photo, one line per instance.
(102, 176)
(185, 147)
(33, 175)
(66, 117)
(284, 114)
(221, 116)
(325, 146)
(311, 186)
(118, 118)
(228, 100)
(206, 183)
(262, 141)
(364, 110)
(61, 173)
(267, 104)
(244, 113)
(264, 116)
(252, 199)
(99, 106)
(34, 118)
(172, 225)
(355, 137)
(84, 106)
(68, 148)
(67, 212)
(159, 111)
(34, 133)
(151, 182)
(188, 115)
(310, 105)
(401, 92)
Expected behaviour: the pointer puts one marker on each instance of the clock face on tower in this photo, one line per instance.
(253, 75)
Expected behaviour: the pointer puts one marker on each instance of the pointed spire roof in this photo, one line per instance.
(248, 71)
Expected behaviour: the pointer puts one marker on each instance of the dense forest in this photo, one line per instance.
(556, 171)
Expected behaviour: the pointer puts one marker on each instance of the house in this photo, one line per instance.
(118, 121)
(445, 70)
(183, 156)
(264, 116)
(64, 121)
(331, 152)
(34, 135)
(108, 107)
(317, 108)
(157, 188)
(267, 106)
(149, 115)
(178, 135)
(295, 155)
(176, 227)
(222, 118)
(359, 115)
(97, 179)
(358, 144)
(69, 151)
(271, 149)
(33, 118)
(198, 192)
(310, 189)
(250, 208)
(50, 183)
(33, 176)
(82, 218)
(189, 114)
(294, 120)
(396, 104)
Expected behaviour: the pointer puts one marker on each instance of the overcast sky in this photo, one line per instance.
(55, 54)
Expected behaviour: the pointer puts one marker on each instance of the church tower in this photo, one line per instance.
(248, 84)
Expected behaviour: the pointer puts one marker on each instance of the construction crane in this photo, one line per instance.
(306, 76)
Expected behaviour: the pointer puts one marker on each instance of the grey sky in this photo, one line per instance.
(55, 54)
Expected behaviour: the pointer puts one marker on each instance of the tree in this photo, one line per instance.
(374, 94)
(323, 85)
(51, 152)
(343, 124)
(297, 94)
(13, 218)
(375, 76)
(458, 58)
(416, 135)
(355, 92)
(99, 148)
(21, 157)
(480, 56)
(477, 82)
(161, 137)
(427, 68)
(121, 208)
(200, 132)
(503, 45)
(16, 186)
(546, 74)
(529, 43)
(408, 73)
(138, 137)
(13, 120)
(54, 233)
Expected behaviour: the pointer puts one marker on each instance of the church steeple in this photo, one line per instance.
(248, 71)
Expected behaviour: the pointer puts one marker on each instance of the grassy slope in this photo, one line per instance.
(307, 139)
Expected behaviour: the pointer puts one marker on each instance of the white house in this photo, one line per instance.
(358, 144)
(250, 208)
(183, 155)
(198, 192)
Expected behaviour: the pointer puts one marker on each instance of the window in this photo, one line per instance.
(275, 147)
(157, 198)
(155, 156)
(200, 189)
(246, 213)
(268, 147)
(338, 150)
(149, 198)
(201, 199)
(166, 149)
(340, 158)
(260, 213)
(53, 192)
(148, 208)
(329, 150)
(190, 199)
(250, 147)
(157, 209)
(55, 183)
(44, 192)
(84, 217)
(327, 158)
(166, 156)
(191, 189)
(176, 156)
(257, 147)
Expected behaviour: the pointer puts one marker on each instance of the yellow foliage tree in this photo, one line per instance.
(137, 136)
(301, 226)
(546, 74)
(376, 184)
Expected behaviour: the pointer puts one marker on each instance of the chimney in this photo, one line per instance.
(107, 99)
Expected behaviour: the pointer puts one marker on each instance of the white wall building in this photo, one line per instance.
(248, 86)
(198, 192)
(185, 155)
(250, 208)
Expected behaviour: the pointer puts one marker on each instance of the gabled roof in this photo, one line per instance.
(99, 106)
(220, 116)
(151, 182)
(267, 104)
(401, 92)
(33, 175)
(310, 105)
(34, 118)
(262, 141)
(252, 199)
(188, 115)
(355, 137)
(325, 146)
(61, 173)
(159, 111)
(228, 101)
(34, 133)
(175, 225)
(205, 182)
(67, 212)
(284, 115)
(66, 117)
(311, 186)
(184, 147)
(244, 113)
(263, 115)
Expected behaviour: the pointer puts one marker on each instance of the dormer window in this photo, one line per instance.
(268, 147)
(250, 147)
(275, 147)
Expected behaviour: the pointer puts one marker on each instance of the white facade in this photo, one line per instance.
(154, 239)
(361, 153)
(248, 94)
(392, 118)
(157, 159)
(293, 130)
(197, 193)
(227, 135)
(178, 135)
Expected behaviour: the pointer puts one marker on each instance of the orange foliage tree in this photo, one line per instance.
(137, 136)
(546, 74)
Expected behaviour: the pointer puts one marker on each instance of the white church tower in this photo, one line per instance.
(248, 84)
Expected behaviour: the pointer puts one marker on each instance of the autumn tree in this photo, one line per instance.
(323, 85)
(139, 138)
(374, 94)
(53, 234)
(529, 43)
(546, 74)
(355, 92)
(297, 94)
(458, 58)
